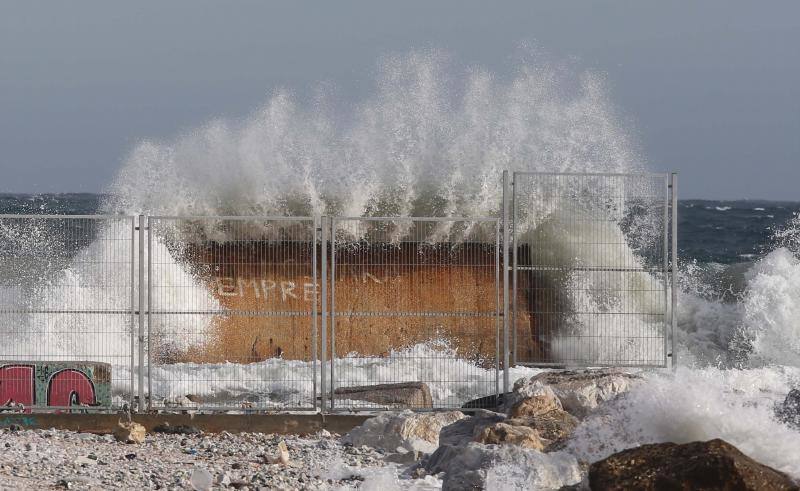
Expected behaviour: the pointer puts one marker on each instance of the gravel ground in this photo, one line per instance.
(55, 459)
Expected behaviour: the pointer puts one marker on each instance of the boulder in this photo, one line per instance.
(406, 430)
(129, 432)
(580, 391)
(493, 401)
(789, 411)
(466, 429)
(712, 465)
(538, 399)
(553, 428)
(478, 466)
(408, 394)
(506, 434)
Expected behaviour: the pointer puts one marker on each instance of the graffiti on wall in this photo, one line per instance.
(55, 384)
(285, 290)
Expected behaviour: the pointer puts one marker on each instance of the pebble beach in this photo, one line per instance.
(56, 459)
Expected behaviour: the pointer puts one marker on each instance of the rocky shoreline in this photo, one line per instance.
(525, 444)
(55, 459)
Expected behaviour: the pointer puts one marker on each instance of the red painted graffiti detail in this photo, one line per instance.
(17, 384)
(70, 388)
(67, 387)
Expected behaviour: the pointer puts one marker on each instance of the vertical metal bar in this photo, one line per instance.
(149, 315)
(514, 253)
(133, 328)
(314, 313)
(506, 250)
(333, 308)
(665, 253)
(324, 351)
(674, 309)
(497, 316)
(141, 313)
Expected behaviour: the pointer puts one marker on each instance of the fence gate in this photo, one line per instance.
(66, 311)
(591, 283)
(413, 300)
(236, 299)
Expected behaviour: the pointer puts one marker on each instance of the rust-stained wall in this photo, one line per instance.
(380, 290)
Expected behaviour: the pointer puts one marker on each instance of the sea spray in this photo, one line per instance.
(429, 141)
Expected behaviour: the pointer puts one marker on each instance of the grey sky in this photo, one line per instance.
(712, 87)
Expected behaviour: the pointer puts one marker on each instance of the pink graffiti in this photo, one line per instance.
(70, 388)
(17, 385)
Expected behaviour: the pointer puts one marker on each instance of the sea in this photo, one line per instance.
(431, 140)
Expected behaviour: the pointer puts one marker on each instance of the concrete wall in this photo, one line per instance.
(391, 283)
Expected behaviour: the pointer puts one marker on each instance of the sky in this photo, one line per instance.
(712, 88)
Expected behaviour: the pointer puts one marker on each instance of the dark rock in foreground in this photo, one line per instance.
(493, 401)
(789, 411)
(712, 465)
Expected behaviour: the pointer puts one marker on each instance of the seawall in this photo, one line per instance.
(386, 297)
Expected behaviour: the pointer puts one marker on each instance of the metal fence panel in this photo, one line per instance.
(414, 300)
(66, 311)
(590, 269)
(232, 312)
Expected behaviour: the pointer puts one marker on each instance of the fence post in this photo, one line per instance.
(506, 252)
(514, 262)
(333, 307)
(149, 315)
(674, 316)
(324, 351)
(133, 318)
(314, 312)
(141, 313)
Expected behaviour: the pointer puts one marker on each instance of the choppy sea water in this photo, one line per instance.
(427, 142)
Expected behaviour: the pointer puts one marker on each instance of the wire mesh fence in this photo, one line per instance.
(66, 311)
(414, 308)
(590, 269)
(335, 313)
(232, 308)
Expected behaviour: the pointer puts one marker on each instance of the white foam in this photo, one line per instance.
(699, 405)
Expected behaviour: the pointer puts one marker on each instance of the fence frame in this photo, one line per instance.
(323, 311)
(313, 223)
(130, 312)
(669, 268)
(331, 284)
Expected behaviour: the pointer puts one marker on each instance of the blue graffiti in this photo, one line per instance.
(18, 420)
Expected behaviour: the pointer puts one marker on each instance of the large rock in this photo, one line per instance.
(712, 465)
(506, 434)
(467, 429)
(478, 466)
(405, 430)
(408, 394)
(580, 391)
(553, 428)
(538, 399)
(789, 411)
(129, 432)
